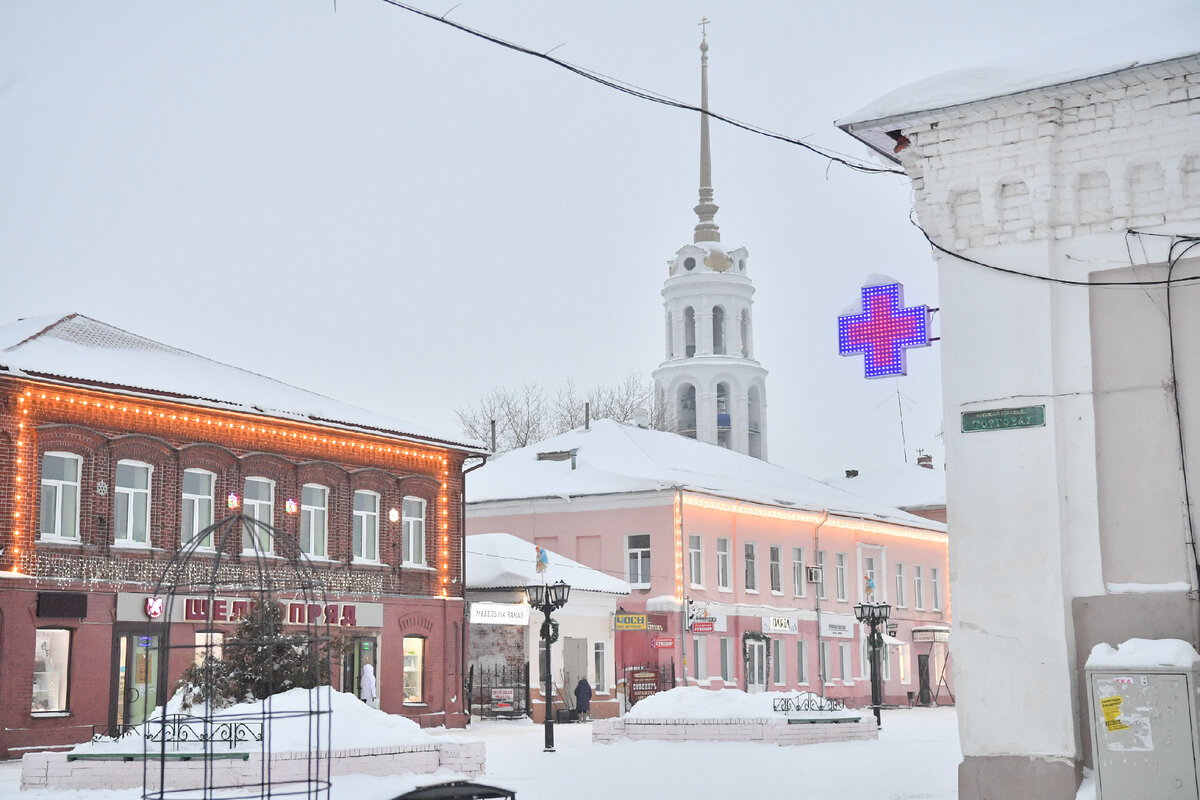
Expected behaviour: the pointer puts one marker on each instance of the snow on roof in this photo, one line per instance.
(79, 350)
(1171, 34)
(902, 486)
(613, 458)
(1135, 653)
(502, 561)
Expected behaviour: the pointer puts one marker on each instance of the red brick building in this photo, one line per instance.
(116, 450)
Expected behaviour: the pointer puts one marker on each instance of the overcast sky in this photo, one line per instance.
(360, 201)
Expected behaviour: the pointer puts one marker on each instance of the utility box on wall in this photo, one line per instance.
(1145, 738)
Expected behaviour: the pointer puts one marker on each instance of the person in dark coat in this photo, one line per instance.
(583, 699)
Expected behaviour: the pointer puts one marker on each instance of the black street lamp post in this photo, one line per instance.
(873, 615)
(546, 599)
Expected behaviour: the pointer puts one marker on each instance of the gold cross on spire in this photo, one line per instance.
(704, 21)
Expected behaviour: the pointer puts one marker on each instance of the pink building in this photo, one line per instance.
(747, 573)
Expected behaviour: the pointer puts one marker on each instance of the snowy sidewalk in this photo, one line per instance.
(915, 758)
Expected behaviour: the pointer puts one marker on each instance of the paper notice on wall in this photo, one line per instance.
(1111, 706)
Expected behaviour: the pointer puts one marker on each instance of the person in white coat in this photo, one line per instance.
(366, 684)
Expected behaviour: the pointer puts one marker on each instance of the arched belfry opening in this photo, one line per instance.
(689, 332)
(718, 330)
(724, 427)
(685, 411)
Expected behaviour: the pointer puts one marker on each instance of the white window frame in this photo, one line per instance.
(900, 580)
(845, 662)
(700, 657)
(823, 663)
(821, 585)
(840, 576)
(129, 496)
(600, 668)
(918, 589)
(59, 510)
(193, 508)
(870, 573)
(775, 568)
(935, 589)
(364, 536)
(52, 665)
(728, 672)
(724, 565)
(314, 522)
(902, 661)
(696, 560)
(778, 663)
(637, 558)
(412, 531)
(750, 555)
(413, 669)
(257, 509)
(799, 576)
(802, 662)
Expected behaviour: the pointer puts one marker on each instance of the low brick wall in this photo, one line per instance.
(52, 771)
(769, 730)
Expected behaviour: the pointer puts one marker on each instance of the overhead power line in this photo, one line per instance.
(653, 97)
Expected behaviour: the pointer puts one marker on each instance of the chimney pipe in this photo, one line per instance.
(851, 473)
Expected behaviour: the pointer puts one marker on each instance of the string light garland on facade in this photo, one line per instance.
(146, 415)
(878, 529)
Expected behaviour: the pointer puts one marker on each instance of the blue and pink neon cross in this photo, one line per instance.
(884, 330)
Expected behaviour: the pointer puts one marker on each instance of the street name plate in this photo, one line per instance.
(995, 419)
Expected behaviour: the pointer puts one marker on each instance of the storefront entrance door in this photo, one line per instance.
(362, 650)
(136, 677)
(756, 666)
(923, 676)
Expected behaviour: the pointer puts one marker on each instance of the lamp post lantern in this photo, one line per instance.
(547, 599)
(873, 615)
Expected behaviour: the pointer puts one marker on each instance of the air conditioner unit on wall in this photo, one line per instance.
(814, 574)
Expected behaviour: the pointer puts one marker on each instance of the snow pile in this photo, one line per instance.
(692, 702)
(1136, 653)
(351, 724)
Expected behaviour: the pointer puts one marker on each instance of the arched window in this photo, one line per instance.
(59, 511)
(689, 332)
(670, 338)
(745, 333)
(685, 411)
(723, 417)
(366, 526)
(718, 319)
(754, 420)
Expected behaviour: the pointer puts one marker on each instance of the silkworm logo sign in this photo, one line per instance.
(154, 607)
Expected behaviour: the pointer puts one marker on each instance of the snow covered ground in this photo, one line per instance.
(916, 756)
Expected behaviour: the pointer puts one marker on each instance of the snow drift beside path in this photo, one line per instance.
(351, 725)
(692, 702)
(1136, 653)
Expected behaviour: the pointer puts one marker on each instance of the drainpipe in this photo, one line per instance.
(462, 577)
(817, 594)
(683, 609)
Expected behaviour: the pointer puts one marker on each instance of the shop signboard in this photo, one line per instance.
(643, 683)
(631, 622)
(499, 614)
(777, 624)
(837, 627)
(920, 635)
(663, 642)
(702, 626)
(133, 607)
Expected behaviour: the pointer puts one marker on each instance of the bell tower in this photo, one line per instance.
(713, 388)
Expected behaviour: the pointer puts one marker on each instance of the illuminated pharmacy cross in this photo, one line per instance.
(884, 331)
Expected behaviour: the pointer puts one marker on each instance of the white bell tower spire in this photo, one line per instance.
(713, 388)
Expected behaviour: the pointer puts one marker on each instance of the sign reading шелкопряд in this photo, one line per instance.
(995, 419)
